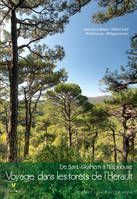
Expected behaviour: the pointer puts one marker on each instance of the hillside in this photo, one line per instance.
(94, 100)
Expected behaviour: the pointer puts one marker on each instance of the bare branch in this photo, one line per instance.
(27, 45)
(1, 21)
(36, 102)
(117, 150)
(5, 4)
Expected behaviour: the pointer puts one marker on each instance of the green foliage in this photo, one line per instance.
(112, 8)
(65, 189)
(115, 81)
(59, 153)
(127, 97)
(48, 142)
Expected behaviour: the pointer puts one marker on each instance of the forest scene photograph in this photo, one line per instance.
(68, 99)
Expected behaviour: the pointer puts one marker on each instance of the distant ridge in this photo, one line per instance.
(100, 99)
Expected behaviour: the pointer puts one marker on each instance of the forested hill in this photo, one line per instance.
(100, 99)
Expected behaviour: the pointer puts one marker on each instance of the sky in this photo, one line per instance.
(88, 55)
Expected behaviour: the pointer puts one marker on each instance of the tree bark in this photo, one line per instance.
(28, 119)
(28, 126)
(69, 136)
(115, 145)
(76, 137)
(93, 150)
(93, 146)
(13, 78)
(125, 149)
(27, 140)
(6, 112)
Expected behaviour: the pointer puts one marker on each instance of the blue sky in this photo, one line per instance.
(87, 57)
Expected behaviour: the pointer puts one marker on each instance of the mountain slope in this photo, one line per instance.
(100, 99)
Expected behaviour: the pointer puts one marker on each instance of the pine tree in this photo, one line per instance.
(31, 21)
(70, 103)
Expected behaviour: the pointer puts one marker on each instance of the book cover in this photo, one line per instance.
(68, 99)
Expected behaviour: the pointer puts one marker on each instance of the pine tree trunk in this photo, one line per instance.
(115, 146)
(125, 149)
(27, 140)
(28, 127)
(76, 137)
(28, 118)
(93, 150)
(69, 136)
(93, 146)
(13, 77)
